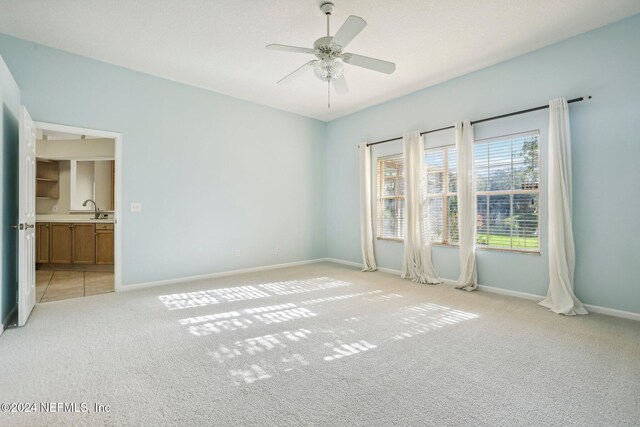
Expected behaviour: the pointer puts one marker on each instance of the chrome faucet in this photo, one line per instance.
(95, 207)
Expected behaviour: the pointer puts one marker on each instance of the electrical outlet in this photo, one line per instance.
(277, 249)
(135, 207)
(237, 252)
(54, 208)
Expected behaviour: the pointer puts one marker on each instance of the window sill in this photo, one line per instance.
(445, 245)
(480, 248)
(390, 239)
(513, 251)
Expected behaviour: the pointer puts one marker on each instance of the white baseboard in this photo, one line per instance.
(3, 325)
(359, 265)
(390, 271)
(343, 262)
(613, 312)
(145, 285)
(501, 291)
(592, 308)
(508, 292)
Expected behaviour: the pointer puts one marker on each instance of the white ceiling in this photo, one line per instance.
(219, 44)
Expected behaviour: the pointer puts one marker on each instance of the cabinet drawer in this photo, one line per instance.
(104, 226)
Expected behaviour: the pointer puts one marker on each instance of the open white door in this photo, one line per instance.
(26, 217)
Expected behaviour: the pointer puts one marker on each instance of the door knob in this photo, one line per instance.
(24, 226)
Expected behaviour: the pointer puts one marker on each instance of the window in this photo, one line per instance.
(507, 186)
(442, 225)
(508, 194)
(391, 197)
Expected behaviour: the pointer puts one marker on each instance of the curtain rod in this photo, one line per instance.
(515, 113)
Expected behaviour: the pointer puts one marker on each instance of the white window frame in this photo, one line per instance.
(446, 194)
(536, 191)
(381, 198)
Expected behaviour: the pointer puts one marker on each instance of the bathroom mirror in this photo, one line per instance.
(91, 179)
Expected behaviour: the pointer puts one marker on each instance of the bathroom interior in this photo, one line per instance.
(75, 216)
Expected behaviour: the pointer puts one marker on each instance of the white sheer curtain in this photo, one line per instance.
(560, 297)
(416, 264)
(466, 206)
(366, 228)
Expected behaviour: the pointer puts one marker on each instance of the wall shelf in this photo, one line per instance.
(47, 176)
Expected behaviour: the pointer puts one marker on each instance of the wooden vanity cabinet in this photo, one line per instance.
(61, 243)
(42, 242)
(104, 244)
(84, 243)
(74, 243)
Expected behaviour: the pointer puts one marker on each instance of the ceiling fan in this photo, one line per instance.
(329, 65)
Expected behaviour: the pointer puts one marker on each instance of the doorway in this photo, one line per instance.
(78, 193)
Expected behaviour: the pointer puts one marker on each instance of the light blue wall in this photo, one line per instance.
(604, 63)
(213, 173)
(10, 96)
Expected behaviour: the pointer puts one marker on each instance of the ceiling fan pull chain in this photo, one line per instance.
(328, 93)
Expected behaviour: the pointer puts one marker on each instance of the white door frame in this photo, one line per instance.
(117, 191)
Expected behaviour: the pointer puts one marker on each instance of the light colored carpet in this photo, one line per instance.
(320, 345)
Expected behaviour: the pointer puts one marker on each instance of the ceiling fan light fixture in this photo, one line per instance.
(328, 70)
(329, 51)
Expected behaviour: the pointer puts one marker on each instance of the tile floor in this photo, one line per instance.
(59, 285)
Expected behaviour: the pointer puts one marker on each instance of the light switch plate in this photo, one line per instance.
(135, 207)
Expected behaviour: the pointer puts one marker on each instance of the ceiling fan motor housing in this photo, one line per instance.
(325, 50)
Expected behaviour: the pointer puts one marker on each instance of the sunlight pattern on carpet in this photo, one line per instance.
(241, 293)
(428, 317)
(266, 356)
(234, 320)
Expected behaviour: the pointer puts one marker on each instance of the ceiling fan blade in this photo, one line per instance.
(349, 30)
(285, 48)
(297, 73)
(370, 63)
(340, 85)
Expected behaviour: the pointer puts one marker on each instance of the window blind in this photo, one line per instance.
(507, 173)
(507, 184)
(391, 216)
